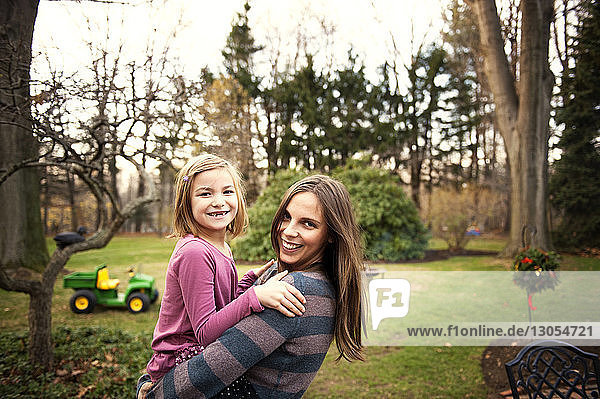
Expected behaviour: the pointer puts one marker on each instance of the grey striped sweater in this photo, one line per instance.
(279, 355)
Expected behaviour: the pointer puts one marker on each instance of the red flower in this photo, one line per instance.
(526, 260)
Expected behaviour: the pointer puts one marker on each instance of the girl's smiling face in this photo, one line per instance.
(214, 200)
(302, 234)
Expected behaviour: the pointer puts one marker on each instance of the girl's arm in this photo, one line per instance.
(196, 276)
(251, 276)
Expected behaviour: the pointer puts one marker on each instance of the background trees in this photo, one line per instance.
(575, 183)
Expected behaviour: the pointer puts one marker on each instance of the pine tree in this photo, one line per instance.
(239, 52)
(575, 184)
(241, 95)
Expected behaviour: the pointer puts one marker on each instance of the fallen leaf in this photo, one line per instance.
(61, 373)
(85, 390)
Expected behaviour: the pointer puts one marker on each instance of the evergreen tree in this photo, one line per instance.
(299, 98)
(575, 184)
(404, 123)
(468, 120)
(348, 117)
(323, 118)
(239, 52)
(241, 95)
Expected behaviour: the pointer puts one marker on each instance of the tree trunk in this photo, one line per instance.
(40, 327)
(523, 112)
(113, 172)
(46, 203)
(415, 179)
(72, 202)
(22, 242)
(140, 217)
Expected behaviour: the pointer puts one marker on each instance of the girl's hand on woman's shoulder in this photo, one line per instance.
(260, 270)
(281, 296)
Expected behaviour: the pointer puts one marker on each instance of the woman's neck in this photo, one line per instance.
(311, 267)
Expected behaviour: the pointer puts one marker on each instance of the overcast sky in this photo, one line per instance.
(202, 27)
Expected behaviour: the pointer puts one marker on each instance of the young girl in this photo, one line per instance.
(267, 355)
(202, 296)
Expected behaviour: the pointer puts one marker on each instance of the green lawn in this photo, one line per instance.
(388, 371)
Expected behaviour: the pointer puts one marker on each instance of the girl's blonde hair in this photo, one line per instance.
(343, 256)
(183, 218)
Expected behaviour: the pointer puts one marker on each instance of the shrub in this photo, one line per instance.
(255, 245)
(389, 221)
(392, 228)
(452, 212)
(88, 362)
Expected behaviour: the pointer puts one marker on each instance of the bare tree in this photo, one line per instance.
(64, 153)
(80, 126)
(84, 149)
(522, 101)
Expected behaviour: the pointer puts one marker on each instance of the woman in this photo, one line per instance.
(315, 235)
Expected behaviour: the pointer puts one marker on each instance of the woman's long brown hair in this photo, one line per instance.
(343, 257)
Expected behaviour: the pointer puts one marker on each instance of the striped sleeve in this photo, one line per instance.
(223, 361)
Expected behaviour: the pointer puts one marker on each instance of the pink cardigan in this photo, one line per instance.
(202, 299)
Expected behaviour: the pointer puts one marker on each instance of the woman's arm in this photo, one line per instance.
(256, 339)
(226, 359)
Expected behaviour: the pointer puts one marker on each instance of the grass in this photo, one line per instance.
(410, 372)
(481, 243)
(406, 372)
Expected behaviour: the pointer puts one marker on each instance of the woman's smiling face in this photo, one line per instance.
(302, 234)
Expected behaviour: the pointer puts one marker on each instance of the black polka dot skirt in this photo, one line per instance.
(240, 388)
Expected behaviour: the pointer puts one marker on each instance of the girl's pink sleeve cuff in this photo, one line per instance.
(254, 302)
(246, 282)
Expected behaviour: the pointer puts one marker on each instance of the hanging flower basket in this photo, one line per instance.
(540, 265)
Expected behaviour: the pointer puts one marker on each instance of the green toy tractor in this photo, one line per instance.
(92, 288)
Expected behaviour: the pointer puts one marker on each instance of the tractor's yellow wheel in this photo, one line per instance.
(82, 303)
(138, 302)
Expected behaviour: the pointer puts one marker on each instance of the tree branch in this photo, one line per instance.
(26, 286)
